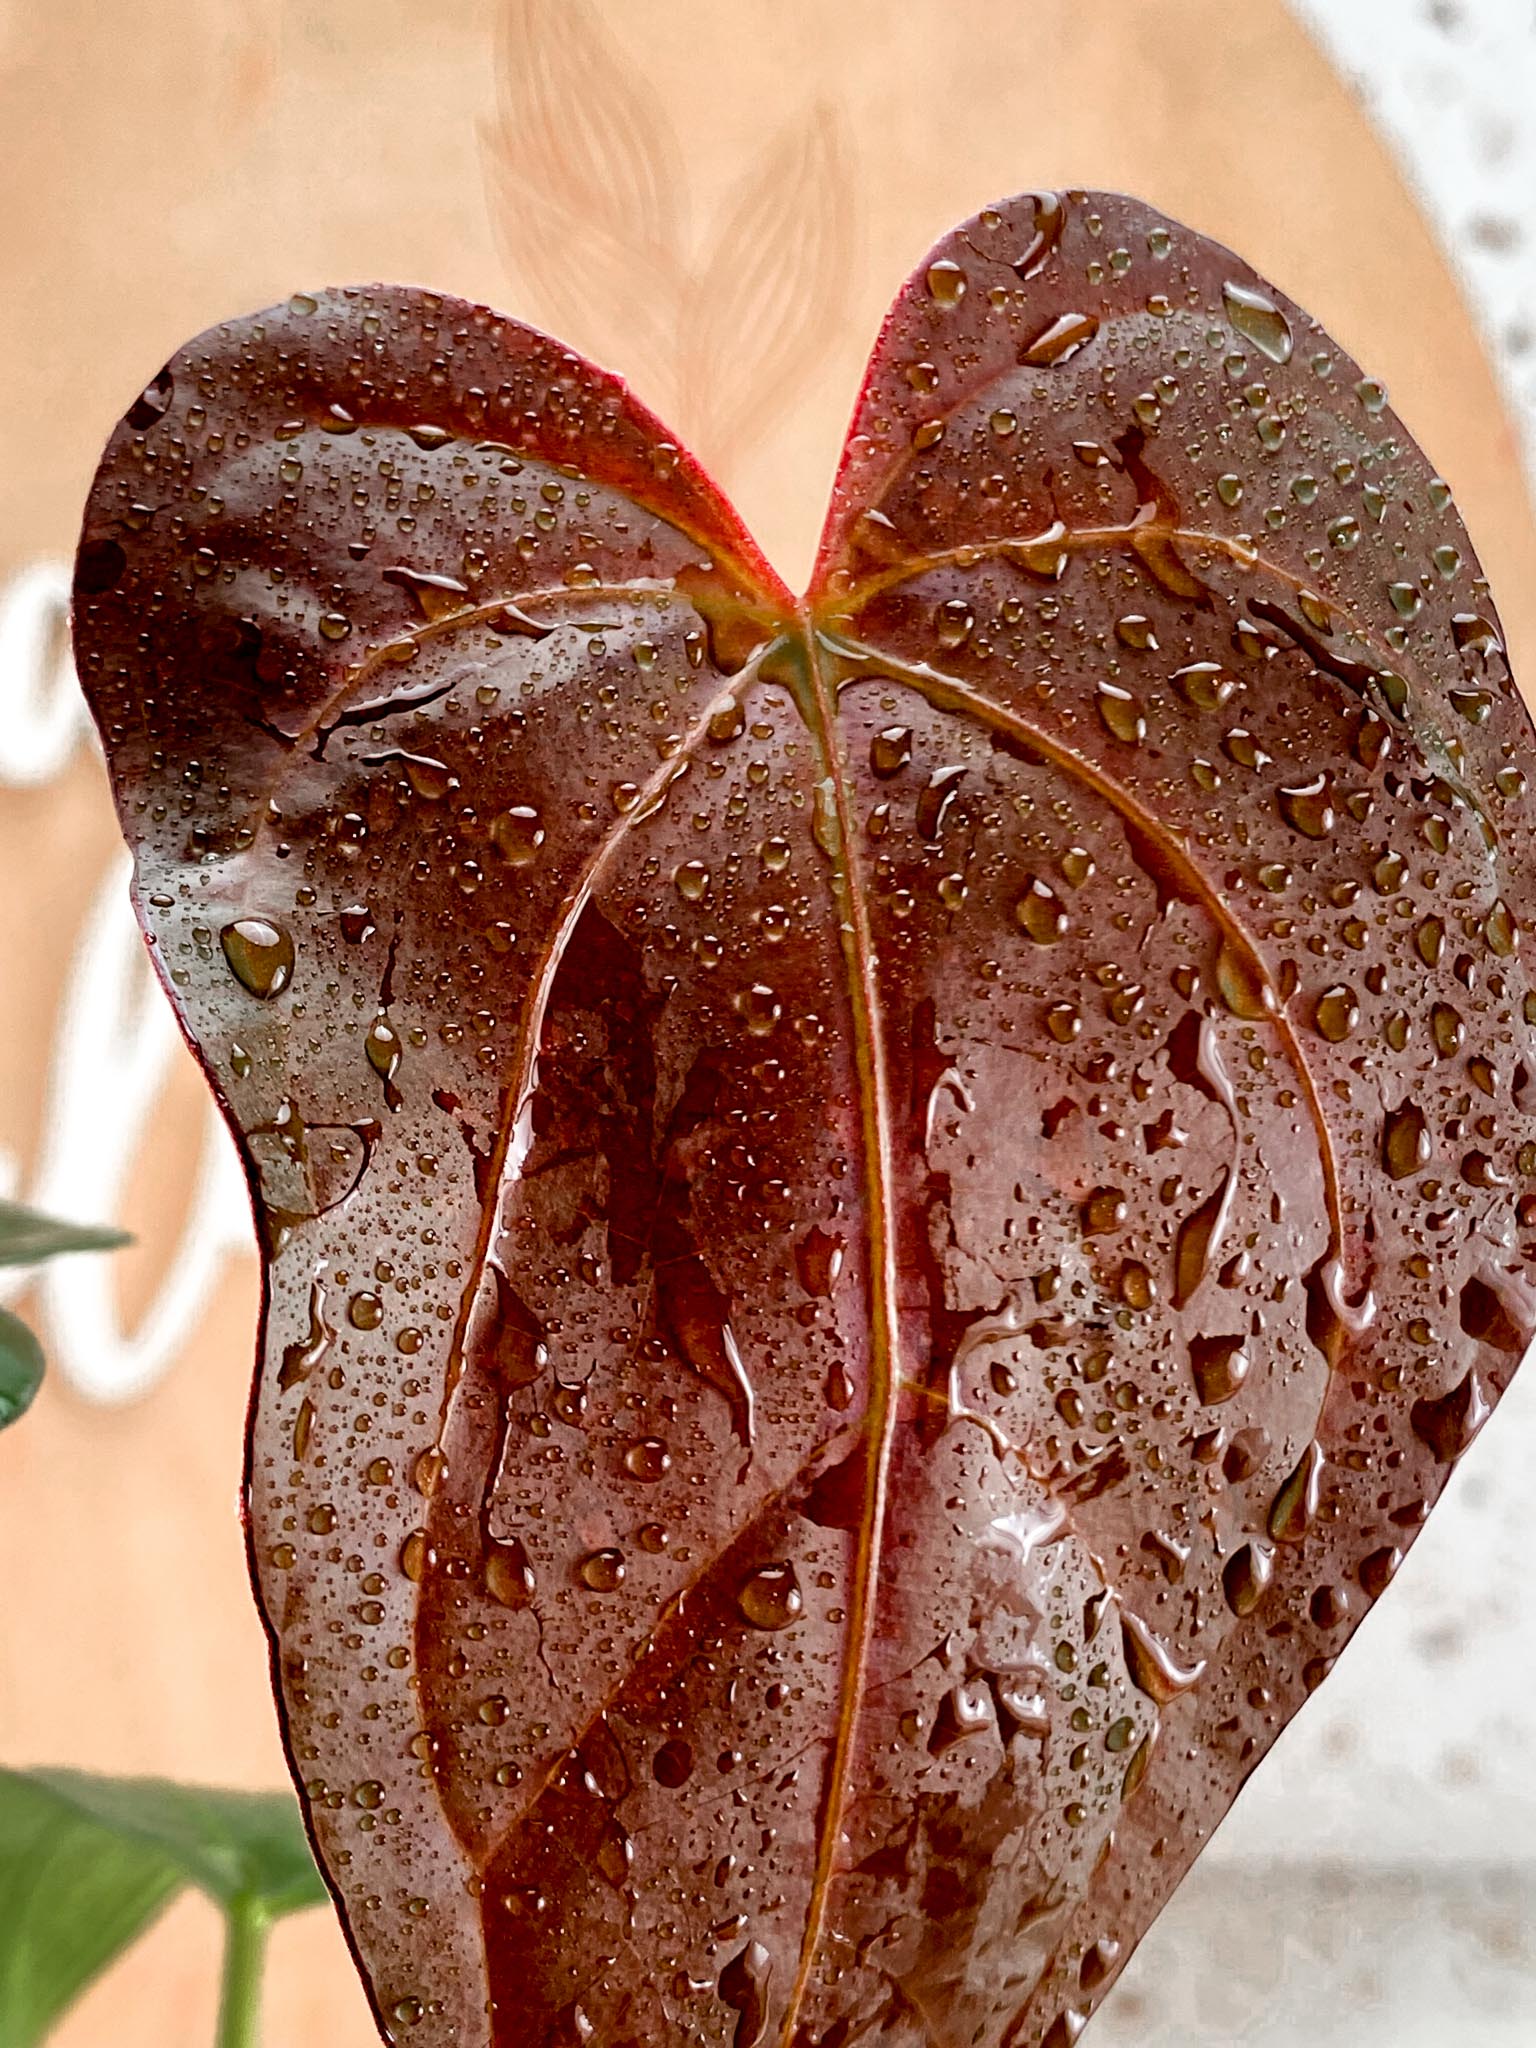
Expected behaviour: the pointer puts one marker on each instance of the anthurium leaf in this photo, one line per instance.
(27, 1237)
(21, 1367)
(884, 1212)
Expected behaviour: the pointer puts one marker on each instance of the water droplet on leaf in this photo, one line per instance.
(260, 955)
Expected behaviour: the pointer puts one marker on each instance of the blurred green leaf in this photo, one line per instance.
(21, 1367)
(232, 1845)
(86, 1863)
(72, 1895)
(27, 1236)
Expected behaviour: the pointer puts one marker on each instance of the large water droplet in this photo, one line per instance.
(1291, 1513)
(1065, 2029)
(365, 1311)
(1501, 930)
(1199, 1236)
(770, 1598)
(647, 1458)
(260, 955)
(1259, 320)
(1099, 1959)
(744, 1987)
(1474, 634)
(1245, 1576)
(603, 1570)
(759, 1009)
(1063, 337)
(890, 751)
(1242, 983)
(1152, 1665)
(437, 597)
(508, 1574)
(1204, 685)
(1449, 1424)
(1376, 1571)
(672, 1764)
(1040, 912)
(1050, 217)
(301, 1358)
(1337, 1013)
(1103, 1210)
(382, 1046)
(153, 401)
(1220, 1367)
(819, 1260)
(697, 1314)
(517, 835)
(1121, 715)
(1499, 1309)
(1405, 1144)
(934, 802)
(1308, 806)
(1194, 1055)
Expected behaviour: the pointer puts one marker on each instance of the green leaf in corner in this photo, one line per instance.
(86, 1863)
(21, 1367)
(26, 1236)
(249, 1846)
(72, 1896)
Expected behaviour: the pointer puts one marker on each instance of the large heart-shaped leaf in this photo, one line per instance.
(884, 1212)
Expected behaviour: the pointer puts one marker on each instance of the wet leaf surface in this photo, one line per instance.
(884, 1212)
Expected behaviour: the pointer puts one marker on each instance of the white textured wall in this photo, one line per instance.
(1452, 86)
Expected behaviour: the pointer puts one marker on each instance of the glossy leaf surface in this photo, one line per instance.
(86, 1863)
(884, 1212)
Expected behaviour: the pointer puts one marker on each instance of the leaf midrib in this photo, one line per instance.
(818, 706)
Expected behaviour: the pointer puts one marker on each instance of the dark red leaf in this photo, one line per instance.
(885, 1212)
